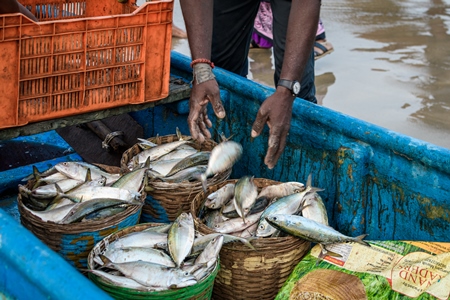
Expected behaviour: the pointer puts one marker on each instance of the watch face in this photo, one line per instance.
(296, 88)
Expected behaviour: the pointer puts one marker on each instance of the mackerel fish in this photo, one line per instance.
(198, 158)
(79, 171)
(286, 205)
(245, 193)
(152, 275)
(181, 237)
(314, 209)
(311, 230)
(220, 197)
(223, 157)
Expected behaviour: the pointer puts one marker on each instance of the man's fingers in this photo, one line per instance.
(278, 143)
(258, 125)
(217, 105)
(204, 131)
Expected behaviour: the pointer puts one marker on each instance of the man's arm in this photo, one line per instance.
(198, 17)
(276, 110)
(301, 32)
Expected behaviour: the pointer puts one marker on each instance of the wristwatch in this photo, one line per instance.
(293, 86)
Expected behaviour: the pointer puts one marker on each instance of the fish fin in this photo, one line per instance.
(204, 181)
(88, 177)
(60, 194)
(359, 240)
(147, 163)
(330, 253)
(248, 243)
(309, 180)
(106, 261)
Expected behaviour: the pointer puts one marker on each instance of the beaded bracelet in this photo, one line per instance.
(202, 60)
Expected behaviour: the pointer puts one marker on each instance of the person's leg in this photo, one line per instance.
(232, 32)
(281, 9)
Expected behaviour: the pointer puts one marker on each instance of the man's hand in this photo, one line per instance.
(276, 111)
(198, 120)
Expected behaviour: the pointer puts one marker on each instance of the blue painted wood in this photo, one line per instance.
(30, 270)
(376, 181)
(402, 183)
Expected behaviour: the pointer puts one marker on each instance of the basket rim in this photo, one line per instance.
(136, 228)
(78, 227)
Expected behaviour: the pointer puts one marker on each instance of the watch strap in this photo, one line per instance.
(289, 84)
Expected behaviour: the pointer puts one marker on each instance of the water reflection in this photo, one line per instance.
(390, 66)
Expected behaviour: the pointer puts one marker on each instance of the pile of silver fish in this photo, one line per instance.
(162, 257)
(280, 209)
(77, 192)
(178, 161)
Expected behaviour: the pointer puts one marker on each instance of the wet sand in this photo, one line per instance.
(390, 65)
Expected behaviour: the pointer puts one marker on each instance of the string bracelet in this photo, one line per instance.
(202, 61)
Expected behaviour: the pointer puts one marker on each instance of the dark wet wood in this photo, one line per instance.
(179, 90)
(88, 144)
(102, 131)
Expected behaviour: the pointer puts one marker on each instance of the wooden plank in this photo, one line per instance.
(88, 145)
(179, 90)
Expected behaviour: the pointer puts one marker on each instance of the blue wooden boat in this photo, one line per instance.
(376, 181)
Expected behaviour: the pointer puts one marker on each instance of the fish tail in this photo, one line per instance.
(204, 181)
(248, 244)
(106, 261)
(359, 240)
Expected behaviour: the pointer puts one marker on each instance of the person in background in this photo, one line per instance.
(219, 33)
(262, 32)
(13, 6)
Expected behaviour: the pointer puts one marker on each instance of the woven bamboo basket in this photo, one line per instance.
(166, 201)
(246, 273)
(74, 241)
(200, 291)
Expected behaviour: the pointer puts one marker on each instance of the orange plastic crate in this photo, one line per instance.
(83, 55)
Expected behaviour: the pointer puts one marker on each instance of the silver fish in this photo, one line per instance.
(152, 275)
(189, 174)
(181, 152)
(311, 230)
(120, 281)
(314, 209)
(245, 193)
(198, 158)
(49, 190)
(132, 181)
(233, 225)
(145, 239)
(94, 192)
(181, 237)
(210, 254)
(154, 153)
(138, 253)
(54, 215)
(281, 190)
(220, 197)
(201, 241)
(286, 205)
(223, 156)
(104, 213)
(84, 208)
(78, 171)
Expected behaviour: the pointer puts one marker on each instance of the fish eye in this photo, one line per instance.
(261, 226)
(186, 273)
(213, 205)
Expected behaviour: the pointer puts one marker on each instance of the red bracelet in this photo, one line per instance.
(202, 61)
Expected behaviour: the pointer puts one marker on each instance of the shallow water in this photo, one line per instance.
(390, 65)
